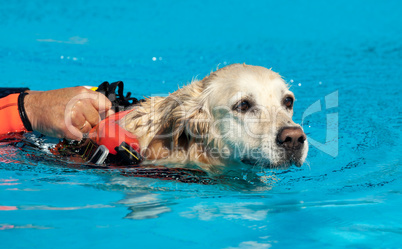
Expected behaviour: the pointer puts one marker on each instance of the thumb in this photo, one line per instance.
(109, 112)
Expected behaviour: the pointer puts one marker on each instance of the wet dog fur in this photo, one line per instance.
(233, 116)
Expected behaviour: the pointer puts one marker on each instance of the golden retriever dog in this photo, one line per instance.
(239, 114)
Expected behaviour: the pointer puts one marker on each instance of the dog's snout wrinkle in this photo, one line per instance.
(291, 138)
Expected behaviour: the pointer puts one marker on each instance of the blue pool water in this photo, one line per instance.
(344, 54)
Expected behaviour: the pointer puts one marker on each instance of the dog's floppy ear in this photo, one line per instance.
(198, 121)
(185, 112)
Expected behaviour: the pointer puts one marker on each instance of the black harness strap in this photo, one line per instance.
(119, 101)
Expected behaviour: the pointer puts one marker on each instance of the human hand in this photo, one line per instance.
(66, 113)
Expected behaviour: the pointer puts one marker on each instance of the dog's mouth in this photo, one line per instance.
(284, 163)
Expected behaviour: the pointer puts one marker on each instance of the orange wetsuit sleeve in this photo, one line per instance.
(10, 120)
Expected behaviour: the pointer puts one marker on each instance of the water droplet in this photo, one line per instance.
(154, 58)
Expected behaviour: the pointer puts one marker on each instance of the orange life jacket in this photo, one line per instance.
(10, 120)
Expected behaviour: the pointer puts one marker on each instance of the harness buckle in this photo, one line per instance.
(99, 155)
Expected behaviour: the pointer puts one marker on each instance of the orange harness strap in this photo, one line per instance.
(10, 120)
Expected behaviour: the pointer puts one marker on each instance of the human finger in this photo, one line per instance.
(91, 115)
(77, 118)
(73, 133)
(85, 128)
(101, 102)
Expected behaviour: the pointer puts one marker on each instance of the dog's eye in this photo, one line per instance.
(243, 106)
(288, 102)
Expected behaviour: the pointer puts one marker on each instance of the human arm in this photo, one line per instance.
(63, 113)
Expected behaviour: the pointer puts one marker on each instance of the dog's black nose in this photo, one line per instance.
(291, 138)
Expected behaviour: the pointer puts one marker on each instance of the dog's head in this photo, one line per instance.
(240, 112)
(251, 110)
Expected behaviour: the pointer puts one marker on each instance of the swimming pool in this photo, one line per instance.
(346, 55)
